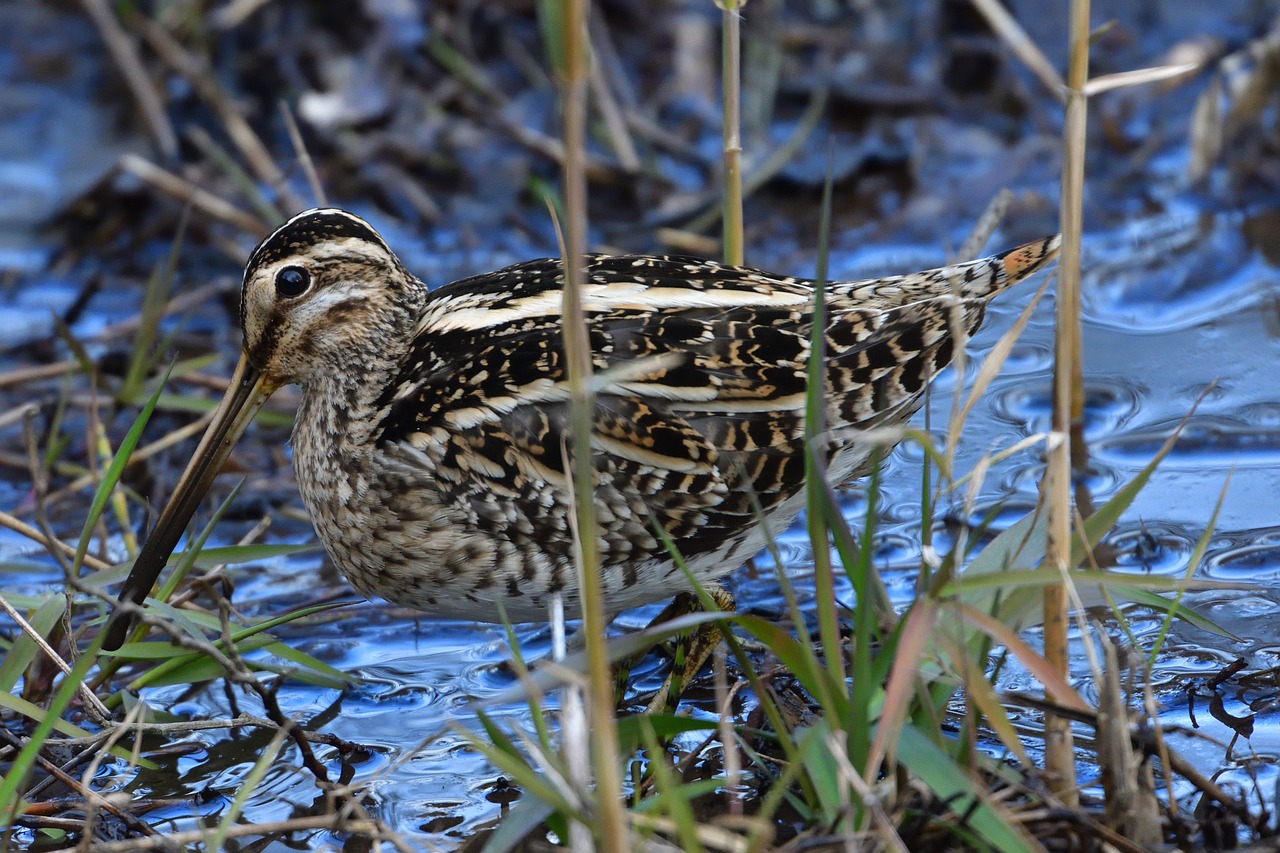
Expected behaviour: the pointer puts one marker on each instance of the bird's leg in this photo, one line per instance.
(692, 648)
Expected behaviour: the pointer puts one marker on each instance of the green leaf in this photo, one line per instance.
(1197, 554)
(238, 554)
(524, 817)
(247, 786)
(310, 666)
(112, 476)
(665, 726)
(517, 767)
(182, 666)
(201, 405)
(188, 557)
(1105, 517)
(20, 765)
(800, 660)
(24, 648)
(1038, 578)
(821, 770)
(961, 795)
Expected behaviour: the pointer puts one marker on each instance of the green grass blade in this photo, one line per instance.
(519, 823)
(188, 558)
(672, 792)
(112, 476)
(31, 711)
(142, 357)
(961, 794)
(235, 555)
(24, 649)
(250, 783)
(184, 666)
(17, 770)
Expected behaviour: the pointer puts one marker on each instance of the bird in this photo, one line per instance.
(429, 444)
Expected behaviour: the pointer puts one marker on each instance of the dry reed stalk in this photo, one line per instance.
(18, 526)
(731, 83)
(1068, 399)
(125, 54)
(611, 826)
(185, 191)
(304, 156)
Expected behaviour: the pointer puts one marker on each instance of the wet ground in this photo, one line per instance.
(929, 118)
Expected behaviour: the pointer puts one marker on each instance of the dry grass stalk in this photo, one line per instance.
(1131, 807)
(97, 710)
(1007, 28)
(196, 71)
(57, 546)
(304, 156)
(125, 54)
(1137, 77)
(1068, 399)
(1239, 90)
(615, 123)
(373, 829)
(185, 191)
(611, 828)
(731, 81)
(985, 226)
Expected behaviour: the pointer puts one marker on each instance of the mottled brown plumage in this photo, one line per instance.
(429, 441)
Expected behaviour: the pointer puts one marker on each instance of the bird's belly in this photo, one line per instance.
(395, 537)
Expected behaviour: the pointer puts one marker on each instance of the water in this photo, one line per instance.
(1180, 297)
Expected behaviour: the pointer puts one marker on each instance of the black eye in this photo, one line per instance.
(292, 281)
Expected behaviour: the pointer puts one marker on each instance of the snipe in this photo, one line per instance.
(428, 445)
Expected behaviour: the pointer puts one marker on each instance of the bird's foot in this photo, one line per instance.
(691, 649)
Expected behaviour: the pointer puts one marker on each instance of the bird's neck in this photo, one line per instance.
(340, 405)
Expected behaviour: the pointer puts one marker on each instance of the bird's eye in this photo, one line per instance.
(292, 281)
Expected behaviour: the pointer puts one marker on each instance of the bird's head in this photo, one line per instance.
(323, 295)
(318, 293)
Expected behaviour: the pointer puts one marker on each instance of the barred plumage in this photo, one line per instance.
(429, 441)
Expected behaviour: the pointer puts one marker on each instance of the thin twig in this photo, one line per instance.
(92, 797)
(615, 124)
(236, 12)
(125, 54)
(988, 221)
(553, 149)
(304, 156)
(237, 722)
(185, 191)
(350, 826)
(19, 526)
(1008, 29)
(92, 703)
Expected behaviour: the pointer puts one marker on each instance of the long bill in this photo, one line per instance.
(245, 395)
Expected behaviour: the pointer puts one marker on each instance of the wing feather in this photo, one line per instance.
(718, 420)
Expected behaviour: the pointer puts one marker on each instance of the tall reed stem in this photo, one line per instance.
(604, 737)
(731, 87)
(1068, 395)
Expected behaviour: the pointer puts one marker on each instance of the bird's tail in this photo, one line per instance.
(1020, 262)
(972, 280)
(987, 277)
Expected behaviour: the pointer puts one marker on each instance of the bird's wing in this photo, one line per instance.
(701, 404)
